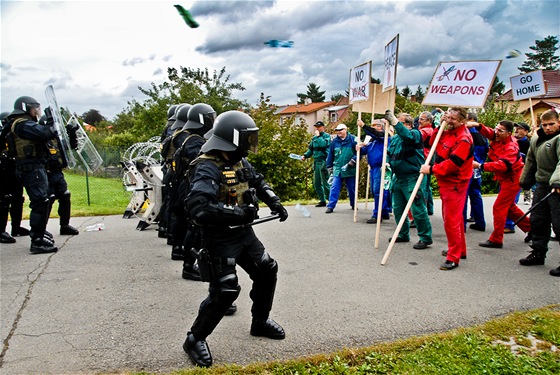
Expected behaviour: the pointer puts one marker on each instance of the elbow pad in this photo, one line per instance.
(221, 215)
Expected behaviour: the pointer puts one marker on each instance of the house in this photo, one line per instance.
(331, 113)
(551, 100)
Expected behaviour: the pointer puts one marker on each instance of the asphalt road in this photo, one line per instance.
(113, 300)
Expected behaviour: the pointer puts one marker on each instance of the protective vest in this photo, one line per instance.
(55, 158)
(25, 150)
(181, 160)
(234, 179)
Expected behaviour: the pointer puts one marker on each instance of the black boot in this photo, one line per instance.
(533, 259)
(198, 351)
(68, 230)
(191, 272)
(40, 246)
(267, 328)
(233, 308)
(6, 238)
(177, 252)
(555, 272)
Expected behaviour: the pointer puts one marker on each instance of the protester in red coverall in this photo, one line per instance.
(505, 161)
(453, 170)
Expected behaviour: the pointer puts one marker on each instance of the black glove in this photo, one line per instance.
(250, 212)
(72, 136)
(277, 208)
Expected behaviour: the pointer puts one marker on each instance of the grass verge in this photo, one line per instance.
(525, 342)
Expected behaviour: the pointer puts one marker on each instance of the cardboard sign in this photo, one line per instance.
(360, 79)
(527, 85)
(390, 63)
(462, 83)
(383, 100)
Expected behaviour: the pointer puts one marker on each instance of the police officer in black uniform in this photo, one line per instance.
(58, 187)
(11, 190)
(28, 142)
(222, 195)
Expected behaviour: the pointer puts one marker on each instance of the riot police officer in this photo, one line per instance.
(58, 187)
(28, 142)
(11, 190)
(223, 194)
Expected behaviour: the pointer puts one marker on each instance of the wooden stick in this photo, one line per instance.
(382, 185)
(412, 195)
(532, 114)
(357, 171)
(367, 185)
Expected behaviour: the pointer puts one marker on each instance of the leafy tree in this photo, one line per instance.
(313, 93)
(93, 117)
(419, 94)
(544, 56)
(288, 177)
(406, 92)
(498, 87)
(336, 97)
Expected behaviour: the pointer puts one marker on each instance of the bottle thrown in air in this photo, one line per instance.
(95, 227)
(296, 156)
(304, 211)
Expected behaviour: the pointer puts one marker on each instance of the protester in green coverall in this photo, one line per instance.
(318, 149)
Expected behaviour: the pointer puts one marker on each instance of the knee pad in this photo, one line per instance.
(64, 196)
(268, 264)
(228, 288)
(51, 198)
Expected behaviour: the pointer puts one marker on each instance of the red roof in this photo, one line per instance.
(305, 108)
(552, 81)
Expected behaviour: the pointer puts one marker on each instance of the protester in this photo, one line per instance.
(374, 152)
(426, 127)
(225, 190)
(341, 163)
(318, 149)
(474, 192)
(506, 163)
(543, 169)
(406, 155)
(453, 170)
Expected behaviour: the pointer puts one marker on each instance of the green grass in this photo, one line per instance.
(473, 350)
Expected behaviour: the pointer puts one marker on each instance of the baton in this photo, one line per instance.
(255, 222)
(534, 206)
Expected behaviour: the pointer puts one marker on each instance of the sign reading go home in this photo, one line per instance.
(461, 83)
(527, 85)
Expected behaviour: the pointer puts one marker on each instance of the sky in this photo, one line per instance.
(97, 53)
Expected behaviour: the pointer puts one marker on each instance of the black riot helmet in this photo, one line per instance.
(181, 116)
(233, 131)
(201, 116)
(4, 116)
(23, 105)
(171, 111)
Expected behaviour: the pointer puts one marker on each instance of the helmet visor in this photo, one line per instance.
(207, 119)
(246, 139)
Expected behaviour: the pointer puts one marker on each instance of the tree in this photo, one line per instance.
(498, 87)
(313, 93)
(544, 57)
(93, 117)
(419, 94)
(406, 92)
(336, 97)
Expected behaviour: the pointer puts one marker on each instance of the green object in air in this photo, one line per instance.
(187, 17)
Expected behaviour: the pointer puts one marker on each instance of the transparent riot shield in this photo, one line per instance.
(62, 135)
(86, 150)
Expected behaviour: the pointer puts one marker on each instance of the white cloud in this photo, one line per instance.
(96, 54)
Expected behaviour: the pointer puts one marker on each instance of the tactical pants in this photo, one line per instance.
(320, 180)
(58, 189)
(477, 204)
(240, 247)
(453, 198)
(11, 198)
(504, 207)
(543, 216)
(375, 182)
(401, 192)
(36, 184)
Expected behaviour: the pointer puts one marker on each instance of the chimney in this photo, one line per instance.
(307, 101)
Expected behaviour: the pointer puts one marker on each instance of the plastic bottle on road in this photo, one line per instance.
(304, 211)
(95, 227)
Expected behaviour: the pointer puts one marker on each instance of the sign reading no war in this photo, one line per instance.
(360, 79)
(461, 83)
(527, 85)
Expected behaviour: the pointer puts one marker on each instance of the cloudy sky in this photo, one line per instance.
(97, 53)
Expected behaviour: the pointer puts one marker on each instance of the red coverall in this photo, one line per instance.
(504, 160)
(453, 170)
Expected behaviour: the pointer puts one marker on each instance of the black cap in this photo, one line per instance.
(523, 126)
(319, 123)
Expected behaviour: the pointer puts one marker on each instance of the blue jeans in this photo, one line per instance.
(375, 182)
(477, 205)
(336, 186)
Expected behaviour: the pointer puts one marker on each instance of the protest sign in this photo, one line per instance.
(528, 85)
(360, 79)
(390, 60)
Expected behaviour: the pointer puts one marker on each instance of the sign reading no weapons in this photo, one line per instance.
(462, 83)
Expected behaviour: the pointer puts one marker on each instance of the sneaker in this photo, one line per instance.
(231, 310)
(444, 253)
(267, 328)
(490, 244)
(321, 204)
(6, 238)
(373, 220)
(17, 232)
(40, 246)
(477, 227)
(533, 259)
(399, 239)
(555, 272)
(68, 230)
(421, 245)
(509, 230)
(198, 351)
(329, 211)
(177, 253)
(448, 265)
(191, 272)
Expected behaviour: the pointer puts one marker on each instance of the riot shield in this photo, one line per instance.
(61, 133)
(86, 150)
